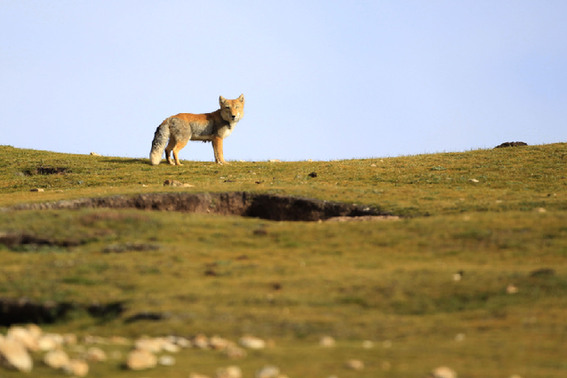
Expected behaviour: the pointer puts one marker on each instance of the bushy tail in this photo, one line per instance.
(161, 138)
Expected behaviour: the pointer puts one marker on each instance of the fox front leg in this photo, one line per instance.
(217, 148)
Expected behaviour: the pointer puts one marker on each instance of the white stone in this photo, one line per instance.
(141, 360)
(77, 368)
(56, 359)
(95, 354)
(166, 360)
(327, 342)
(357, 365)
(252, 342)
(14, 355)
(443, 372)
(229, 372)
(24, 336)
(268, 372)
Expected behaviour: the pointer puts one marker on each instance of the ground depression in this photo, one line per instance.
(264, 206)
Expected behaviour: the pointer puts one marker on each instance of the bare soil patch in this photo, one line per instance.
(264, 206)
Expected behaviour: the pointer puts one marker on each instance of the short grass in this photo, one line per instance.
(496, 215)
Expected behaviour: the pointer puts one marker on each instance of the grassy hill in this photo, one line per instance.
(473, 275)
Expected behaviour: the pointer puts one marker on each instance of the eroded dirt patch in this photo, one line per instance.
(46, 171)
(23, 310)
(264, 206)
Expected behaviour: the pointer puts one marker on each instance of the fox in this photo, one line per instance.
(176, 131)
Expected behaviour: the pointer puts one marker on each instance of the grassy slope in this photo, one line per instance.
(383, 281)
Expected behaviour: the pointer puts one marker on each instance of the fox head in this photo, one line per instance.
(232, 111)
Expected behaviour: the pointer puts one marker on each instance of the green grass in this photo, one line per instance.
(386, 281)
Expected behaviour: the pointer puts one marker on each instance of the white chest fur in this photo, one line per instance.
(225, 131)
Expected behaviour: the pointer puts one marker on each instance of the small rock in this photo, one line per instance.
(229, 372)
(268, 372)
(14, 355)
(460, 337)
(201, 341)
(474, 181)
(252, 342)
(458, 276)
(274, 161)
(357, 365)
(56, 359)
(166, 360)
(37, 190)
(95, 154)
(78, 368)
(218, 343)
(49, 342)
(24, 336)
(443, 372)
(511, 144)
(234, 352)
(368, 344)
(95, 354)
(327, 342)
(176, 183)
(312, 174)
(141, 360)
(147, 344)
(511, 289)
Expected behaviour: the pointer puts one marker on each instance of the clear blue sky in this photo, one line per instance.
(322, 79)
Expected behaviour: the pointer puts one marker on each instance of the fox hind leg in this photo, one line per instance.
(178, 146)
(168, 150)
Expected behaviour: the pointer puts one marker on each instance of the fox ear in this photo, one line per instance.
(222, 100)
(241, 98)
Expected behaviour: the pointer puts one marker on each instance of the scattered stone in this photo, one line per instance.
(218, 343)
(511, 289)
(511, 144)
(166, 360)
(356, 365)
(95, 354)
(128, 247)
(474, 181)
(368, 344)
(234, 352)
(268, 372)
(78, 368)
(443, 372)
(49, 342)
(229, 372)
(312, 174)
(460, 337)
(327, 342)
(95, 154)
(252, 342)
(24, 337)
(274, 161)
(141, 360)
(176, 183)
(56, 359)
(37, 190)
(457, 276)
(541, 210)
(201, 341)
(13, 355)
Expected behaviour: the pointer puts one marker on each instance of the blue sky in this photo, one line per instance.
(323, 80)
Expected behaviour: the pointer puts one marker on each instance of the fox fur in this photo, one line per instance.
(176, 131)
